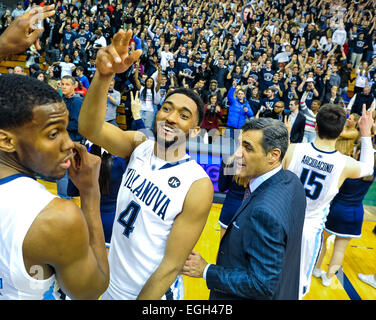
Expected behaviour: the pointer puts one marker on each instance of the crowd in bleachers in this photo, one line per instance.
(267, 51)
(259, 58)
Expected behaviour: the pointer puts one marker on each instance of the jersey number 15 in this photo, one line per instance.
(312, 182)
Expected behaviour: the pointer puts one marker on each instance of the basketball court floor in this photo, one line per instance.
(360, 257)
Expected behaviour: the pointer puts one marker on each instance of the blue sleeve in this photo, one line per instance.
(137, 40)
(139, 124)
(85, 83)
(230, 95)
(74, 114)
(250, 111)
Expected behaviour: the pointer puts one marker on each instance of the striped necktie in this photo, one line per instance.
(247, 192)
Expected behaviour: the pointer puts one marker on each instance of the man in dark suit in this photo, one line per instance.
(259, 255)
(297, 120)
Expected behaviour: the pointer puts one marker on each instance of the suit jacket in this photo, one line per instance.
(297, 130)
(259, 255)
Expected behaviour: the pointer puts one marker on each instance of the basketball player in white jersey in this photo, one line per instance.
(322, 170)
(46, 243)
(165, 196)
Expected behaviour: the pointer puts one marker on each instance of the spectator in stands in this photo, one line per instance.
(357, 101)
(19, 11)
(67, 67)
(113, 101)
(238, 107)
(19, 70)
(81, 76)
(213, 113)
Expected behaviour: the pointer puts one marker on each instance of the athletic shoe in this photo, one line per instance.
(325, 280)
(368, 278)
(317, 272)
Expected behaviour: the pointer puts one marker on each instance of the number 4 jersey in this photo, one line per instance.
(151, 195)
(319, 172)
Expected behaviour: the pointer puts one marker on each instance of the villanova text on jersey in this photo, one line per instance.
(147, 192)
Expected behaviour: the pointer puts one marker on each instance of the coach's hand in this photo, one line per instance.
(24, 31)
(194, 266)
(116, 57)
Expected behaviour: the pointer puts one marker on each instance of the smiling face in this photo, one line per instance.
(43, 145)
(176, 121)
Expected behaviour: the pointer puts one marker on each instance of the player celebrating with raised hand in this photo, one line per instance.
(165, 196)
(322, 170)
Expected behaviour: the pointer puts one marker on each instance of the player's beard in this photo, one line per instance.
(174, 143)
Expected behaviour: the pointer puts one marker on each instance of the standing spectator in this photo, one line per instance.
(363, 76)
(298, 121)
(360, 98)
(113, 101)
(349, 135)
(149, 97)
(358, 48)
(213, 113)
(73, 103)
(308, 91)
(238, 107)
(83, 79)
(18, 11)
(219, 73)
(67, 67)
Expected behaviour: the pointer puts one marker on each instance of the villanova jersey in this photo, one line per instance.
(319, 172)
(21, 200)
(151, 195)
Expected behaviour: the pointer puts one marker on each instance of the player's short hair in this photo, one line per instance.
(195, 97)
(275, 134)
(330, 120)
(19, 95)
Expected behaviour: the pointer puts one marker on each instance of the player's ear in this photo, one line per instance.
(193, 133)
(7, 141)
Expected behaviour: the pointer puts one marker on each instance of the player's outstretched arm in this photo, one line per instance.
(364, 167)
(110, 60)
(184, 234)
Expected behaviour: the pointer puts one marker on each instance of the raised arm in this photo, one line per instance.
(110, 60)
(364, 167)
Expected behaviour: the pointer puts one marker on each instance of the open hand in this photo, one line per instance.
(115, 58)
